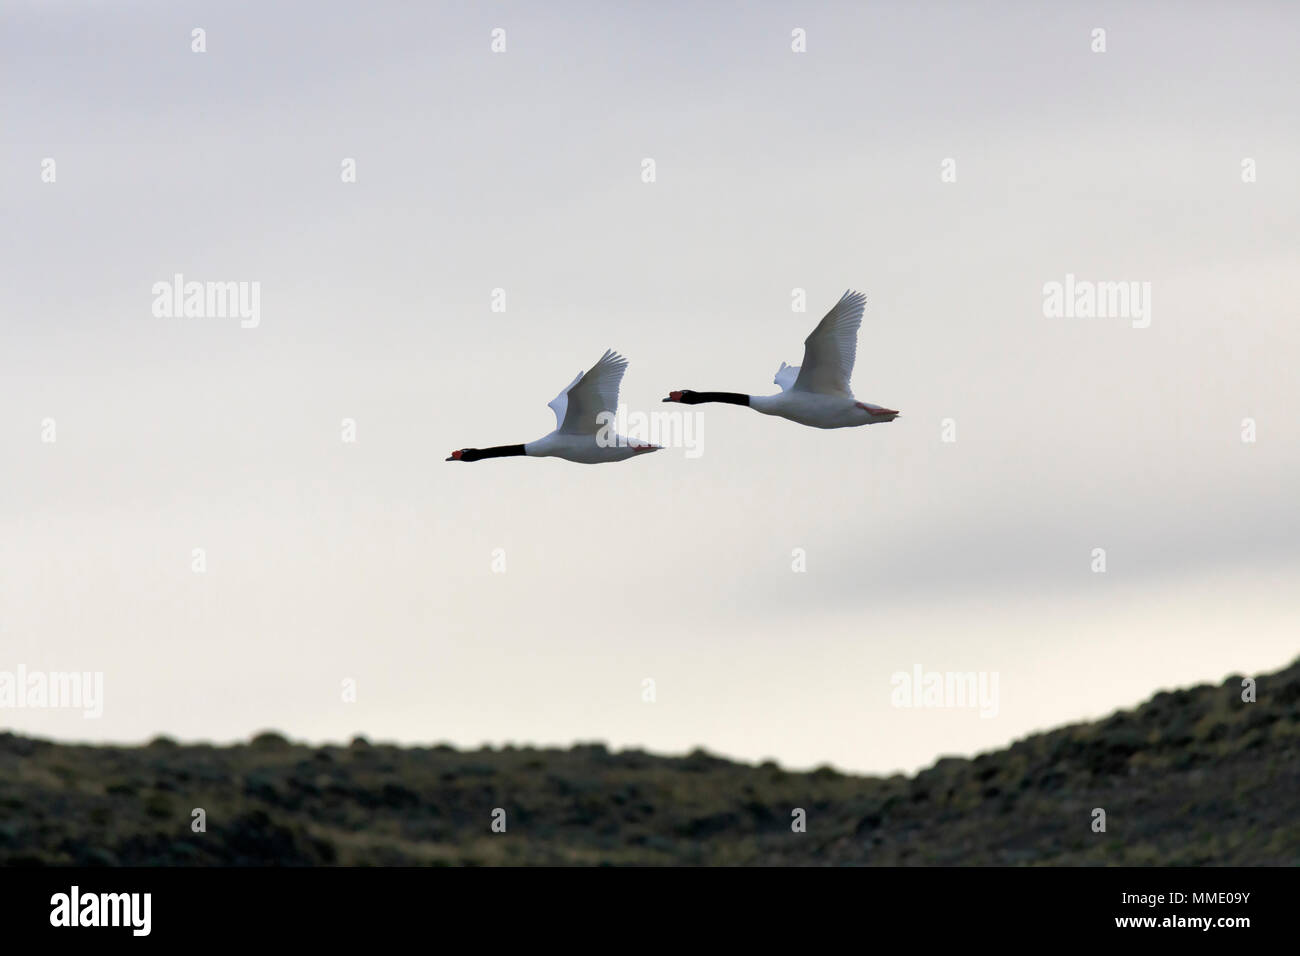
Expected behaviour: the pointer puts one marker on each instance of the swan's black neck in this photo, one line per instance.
(699, 398)
(500, 451)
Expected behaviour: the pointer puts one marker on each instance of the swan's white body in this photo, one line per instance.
(821, 411)
(583, 413)
(585, 449)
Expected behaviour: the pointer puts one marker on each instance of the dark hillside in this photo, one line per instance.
(1191, 777)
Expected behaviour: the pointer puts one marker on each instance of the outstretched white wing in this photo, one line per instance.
(785, 376)
(828, 353)
(588, 395)
(560, 403)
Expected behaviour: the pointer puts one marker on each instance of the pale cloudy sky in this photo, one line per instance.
(775, 170)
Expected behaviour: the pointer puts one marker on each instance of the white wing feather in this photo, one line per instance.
(577, 407)
(785, 376)
(560, 403)
(830, 350)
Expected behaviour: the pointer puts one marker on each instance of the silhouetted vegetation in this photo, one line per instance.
(1191, 777)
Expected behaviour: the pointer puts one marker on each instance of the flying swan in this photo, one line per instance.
(581, 434)
(816, 393)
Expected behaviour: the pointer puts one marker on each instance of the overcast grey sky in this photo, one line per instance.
(521, 170)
